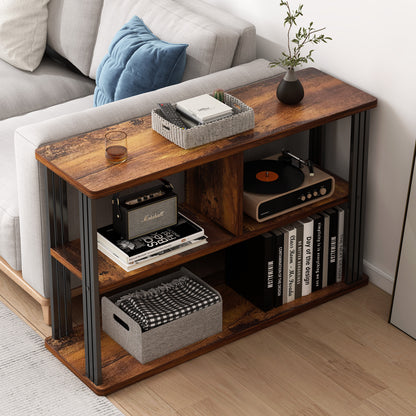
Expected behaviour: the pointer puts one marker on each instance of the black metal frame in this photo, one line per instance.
(90, 289)
(61, 313)
(354, 232)
(357, 198)
(60, 278)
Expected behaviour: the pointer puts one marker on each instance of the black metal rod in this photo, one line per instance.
(351, 203)
(317, 145)
(61, 315)
(365, 126)
(357, 195)
(90, 289)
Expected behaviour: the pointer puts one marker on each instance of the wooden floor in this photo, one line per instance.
(341, 358)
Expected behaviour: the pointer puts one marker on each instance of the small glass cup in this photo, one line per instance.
(116, 146)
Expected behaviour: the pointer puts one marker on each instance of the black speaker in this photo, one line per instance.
(146, 211)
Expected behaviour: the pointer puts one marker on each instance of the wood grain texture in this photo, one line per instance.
(81, 160)
(111, 276)
(240, 318)
(215, 190)
(256, 374)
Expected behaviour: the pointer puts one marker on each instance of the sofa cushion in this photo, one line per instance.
(23, 26)
(72, 30)
(30, 177)
(246, 46)
(10, 247)
(211, 45)
(138, 62)
(49, 84)
(9, 208)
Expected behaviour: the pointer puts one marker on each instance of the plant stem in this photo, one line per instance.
(306, 40)
(288, 32)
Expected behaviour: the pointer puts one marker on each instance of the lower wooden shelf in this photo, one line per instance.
(240, 318)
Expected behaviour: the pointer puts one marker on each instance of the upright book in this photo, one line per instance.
(289, 277)
(250, 270)
(278, 272)
(299, 259)
(307, 255)
(340, 243)
(317, 257)
(332, 249)
(325, 249)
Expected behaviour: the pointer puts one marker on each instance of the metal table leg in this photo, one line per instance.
(90, 290)
(317, 145)
(60, 278)
(358, 185)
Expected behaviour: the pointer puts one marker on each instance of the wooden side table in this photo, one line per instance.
(214, 185)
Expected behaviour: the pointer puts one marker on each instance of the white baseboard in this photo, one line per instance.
(378, 277)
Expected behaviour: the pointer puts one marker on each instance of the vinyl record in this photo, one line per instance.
(271, 177)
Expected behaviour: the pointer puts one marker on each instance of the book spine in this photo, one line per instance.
(269, 270)
(154, 258)
(285, 264)
(291, 265)
(307, 257)
(250, 270)
(325, 250)
(340, 243)
(112, 248)
(318, 225)
(332, 252)
(299, 260)
(165, 246)
(164, 241)
(279, 250)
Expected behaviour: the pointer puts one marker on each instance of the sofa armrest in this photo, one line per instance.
(31, 181)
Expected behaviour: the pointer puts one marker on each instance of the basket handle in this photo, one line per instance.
(121, 322)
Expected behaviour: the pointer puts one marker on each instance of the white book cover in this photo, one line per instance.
(325, 249)
(129, 251)
(307, 255)
(204, 108)
(340, 241)
(290, 260)
(154, 257)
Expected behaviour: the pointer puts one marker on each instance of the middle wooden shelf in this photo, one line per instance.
(112, 277)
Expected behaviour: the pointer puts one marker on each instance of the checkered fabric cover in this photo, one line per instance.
(166, 302)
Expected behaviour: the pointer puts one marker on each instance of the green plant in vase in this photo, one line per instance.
(290, 90)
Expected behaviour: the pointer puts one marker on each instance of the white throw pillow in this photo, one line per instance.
(23, 27)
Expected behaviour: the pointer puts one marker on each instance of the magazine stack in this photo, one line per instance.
(150, 248)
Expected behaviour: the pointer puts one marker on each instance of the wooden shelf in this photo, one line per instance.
(240, 318)
(111, 276)
(81, 162)
(214, 199)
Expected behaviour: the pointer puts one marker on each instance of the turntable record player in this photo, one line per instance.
(274, 186)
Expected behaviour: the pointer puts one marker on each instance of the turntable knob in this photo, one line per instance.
(309, 195)
(322, 191)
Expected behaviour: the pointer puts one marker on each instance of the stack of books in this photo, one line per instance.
(204, 108)
(284, 264)
(152, 247)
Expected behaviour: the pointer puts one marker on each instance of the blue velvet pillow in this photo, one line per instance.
(137, 62)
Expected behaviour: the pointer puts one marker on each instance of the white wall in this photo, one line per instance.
(373, 48)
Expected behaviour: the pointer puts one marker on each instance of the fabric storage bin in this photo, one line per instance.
(148, 345)
(242, 120)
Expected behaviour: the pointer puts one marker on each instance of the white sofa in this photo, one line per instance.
(55, 101)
